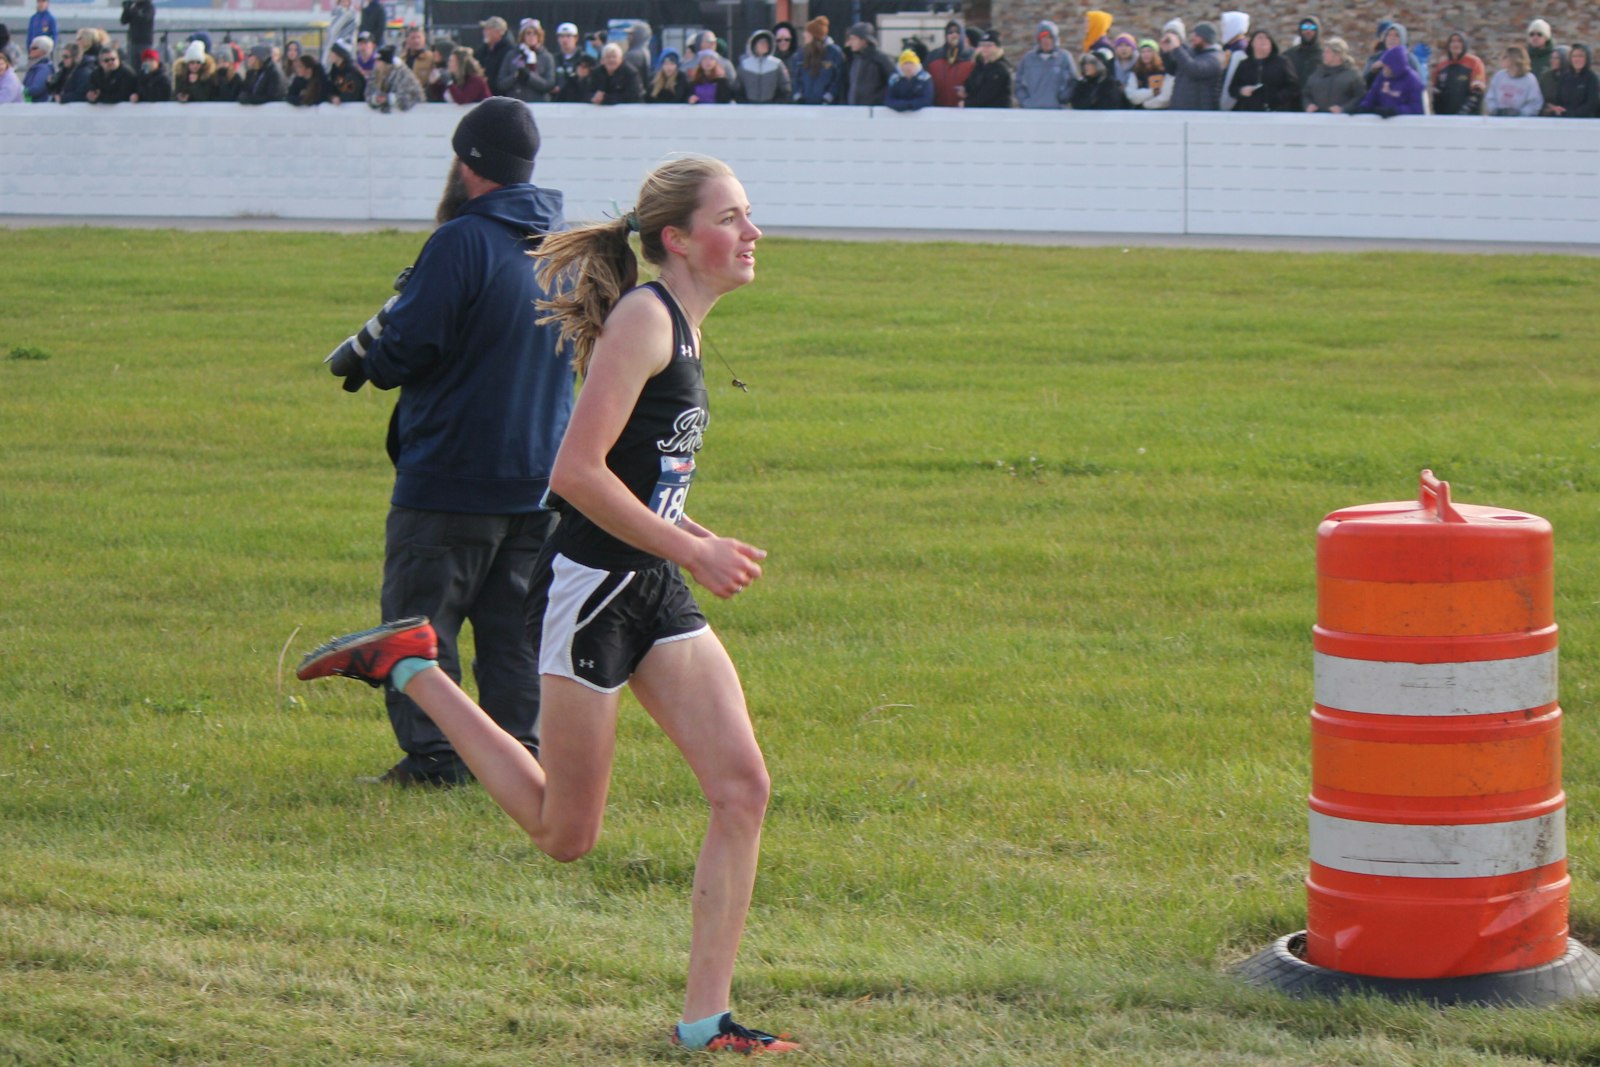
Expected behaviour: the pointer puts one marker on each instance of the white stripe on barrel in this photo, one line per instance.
(1489, 687)
(1479, 850)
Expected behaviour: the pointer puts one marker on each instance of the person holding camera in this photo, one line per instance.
(140, 18)
(485, 393)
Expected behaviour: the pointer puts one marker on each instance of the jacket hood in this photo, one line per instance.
(794, 34)
(1466, 45)
(1270, 40)
(639, 34)
(750, 42)
(1096, 23)
(1397, 62)
(1313, 20)
(1046, 26)
(525, 207)
(954, 25)
(1405, 36)
(662, 58)
(1234, 24)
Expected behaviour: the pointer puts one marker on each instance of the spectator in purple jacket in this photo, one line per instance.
(1397, 89)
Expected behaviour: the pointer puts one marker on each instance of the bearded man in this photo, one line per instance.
(485, 393)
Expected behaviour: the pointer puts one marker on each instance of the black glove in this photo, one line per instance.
(344, 360)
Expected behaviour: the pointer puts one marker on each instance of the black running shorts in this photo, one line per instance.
(595, 626)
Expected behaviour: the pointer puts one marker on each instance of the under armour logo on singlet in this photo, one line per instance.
(686, 351)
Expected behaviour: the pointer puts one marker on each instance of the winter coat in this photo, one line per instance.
(1149, 89)
(826, 84)
(1045, 79)
(763, 79)
(194, 92)
(115, 86)
(155, 87)
(75, 88)
(637, 55)
(566, 89)
(1276, 87)
(676, 93)
(375, 20)
(1306, 58)
(496, 63)
(1375, 61)
(948, 71)
(10, 87)
(42, 24)
(226, 85)
(1513, 96)
(264, 86)
(1577, 92)
(1539, 58)
(1459, 84)
(342, 26)
(989, 84)
(909, 94)
(1339, 87)
(140, 18)
(621, 86)
(532, 79)
(36, 80)
(398, 86)
(1399, 93)
(1199, 75)
(868, 76)
(715, 91)
(303, 93)
(1102, 92)
(471, 91)
(482, 406)
(347, 83)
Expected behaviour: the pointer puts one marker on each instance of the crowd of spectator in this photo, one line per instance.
(1223, 65)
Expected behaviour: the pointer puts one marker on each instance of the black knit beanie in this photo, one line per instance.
(498, 140)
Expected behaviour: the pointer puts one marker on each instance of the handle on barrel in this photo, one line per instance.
(1439, 493)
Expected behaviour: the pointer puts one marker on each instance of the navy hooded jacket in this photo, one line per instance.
(484, 393)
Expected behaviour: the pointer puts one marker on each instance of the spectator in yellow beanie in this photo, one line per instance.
(911, 88)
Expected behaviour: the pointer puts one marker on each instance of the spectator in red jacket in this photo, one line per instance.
(950, 66)
(467, 83)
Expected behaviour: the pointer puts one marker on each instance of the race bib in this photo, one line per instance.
(672, 488)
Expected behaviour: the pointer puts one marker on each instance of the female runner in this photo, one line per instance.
(610, 606)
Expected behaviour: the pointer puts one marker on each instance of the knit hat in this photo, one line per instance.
(1540, 26)
(339, 48)
(528, 24)
(1148, 43)
(262, 52)
(908, 56)
(862, 30)
(498, 140)
(195, 53)
(704, 53)
(1206, 32)
(1125, 38)
(1175, 26)
(818, 27)
(150, 53)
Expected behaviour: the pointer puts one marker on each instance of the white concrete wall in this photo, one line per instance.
(1158, 173)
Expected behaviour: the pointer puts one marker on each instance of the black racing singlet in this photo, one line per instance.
(654, 456)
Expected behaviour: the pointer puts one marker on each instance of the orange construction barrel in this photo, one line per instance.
(1438, 844)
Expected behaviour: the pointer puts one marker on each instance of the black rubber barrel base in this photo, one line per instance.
(1281, 967)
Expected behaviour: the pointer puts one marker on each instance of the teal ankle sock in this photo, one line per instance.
(699, 1034)
(402, 673)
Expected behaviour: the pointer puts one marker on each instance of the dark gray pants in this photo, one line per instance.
(457, 568)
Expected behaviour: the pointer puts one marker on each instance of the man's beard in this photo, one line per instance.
(454, 197)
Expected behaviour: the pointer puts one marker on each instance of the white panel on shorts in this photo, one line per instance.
(1480, 850)
(571, 586)
(1488, 687)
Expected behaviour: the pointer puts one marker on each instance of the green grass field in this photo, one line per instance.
(1031, 662)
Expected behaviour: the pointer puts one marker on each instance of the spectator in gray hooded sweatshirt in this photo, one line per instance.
(1046, 75)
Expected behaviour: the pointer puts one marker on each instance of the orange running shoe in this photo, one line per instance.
(741, 1039)
(371, 654)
